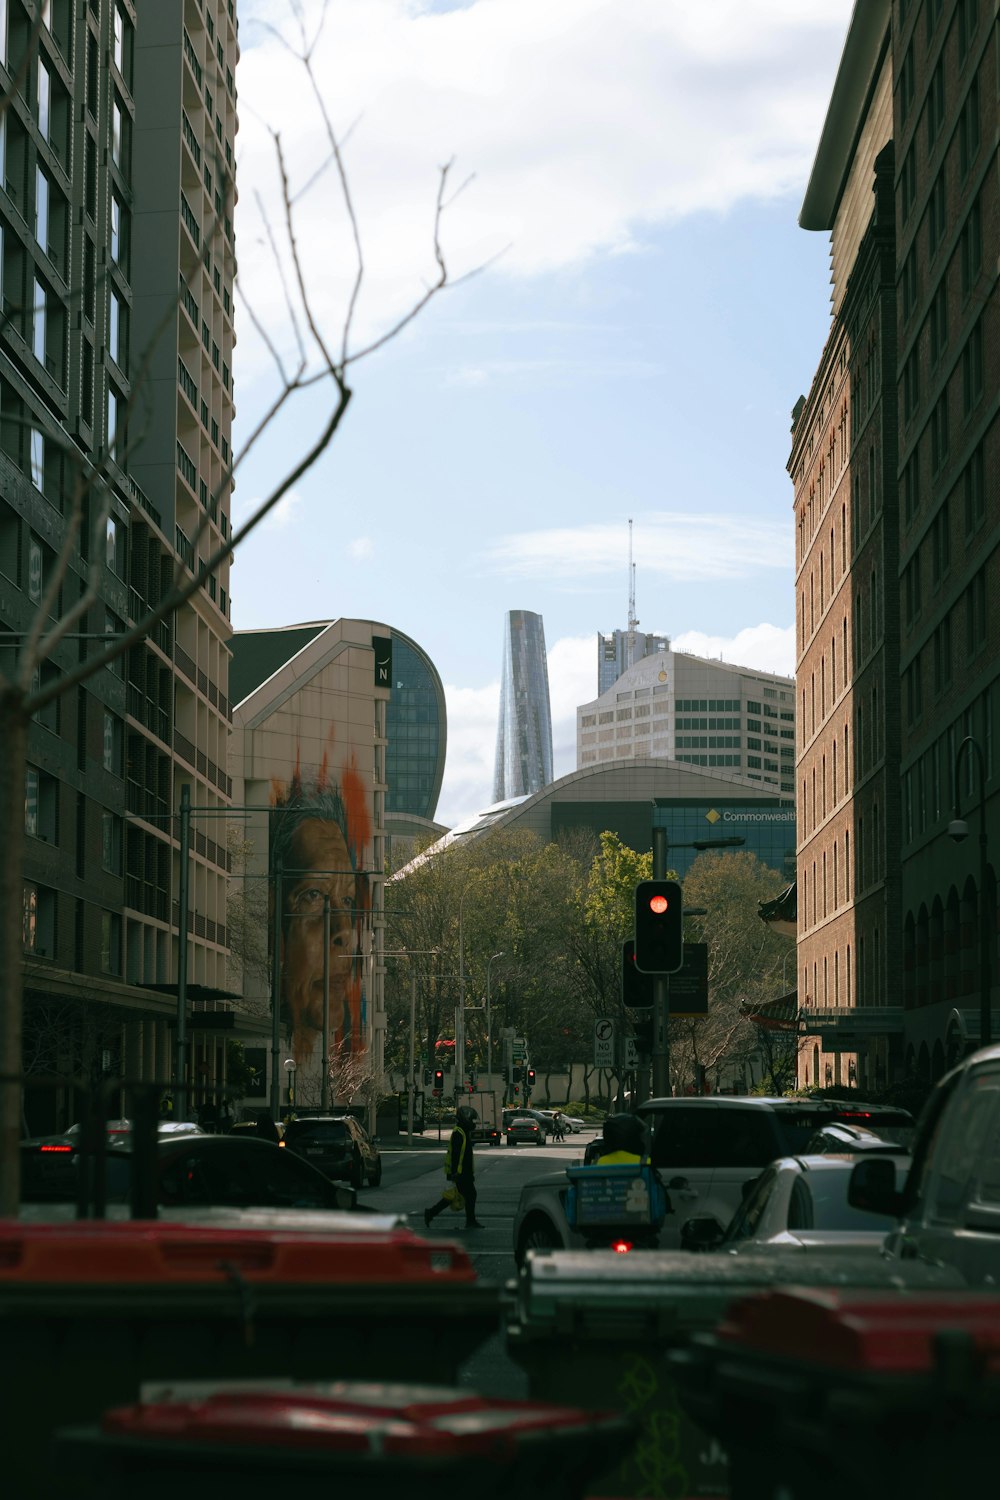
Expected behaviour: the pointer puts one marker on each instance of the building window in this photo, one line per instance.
(939, 431)
(37, 458)
(974, 492)
(111, 942)
(970, 247)
(111, 843)
(940, 544)
(38, 322)
(972, 368)
(968, 129)
(112, 421)
(938, 323)
(44, 99)
(975, 613)
(908, 183)
(42, 209)
(937, 212)
(113, 744)
(36, 570)
(935, 104)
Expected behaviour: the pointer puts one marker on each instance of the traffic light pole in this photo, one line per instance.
(661, 991)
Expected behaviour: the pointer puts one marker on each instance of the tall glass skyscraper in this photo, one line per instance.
(524, 731)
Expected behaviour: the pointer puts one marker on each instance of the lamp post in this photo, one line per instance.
(661, 995)
(489, 1022)
(289, 1066)
(958, 829)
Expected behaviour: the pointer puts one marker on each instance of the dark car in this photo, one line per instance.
(339, 1145)
(192, 1172)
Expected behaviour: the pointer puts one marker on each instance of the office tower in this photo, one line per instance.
(696, 711)
(524, 730)
(118, 268)
(622, 649)
(898, 552)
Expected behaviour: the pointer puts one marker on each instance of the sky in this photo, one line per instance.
(632, 312)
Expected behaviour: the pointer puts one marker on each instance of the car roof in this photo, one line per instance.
(837, 1110)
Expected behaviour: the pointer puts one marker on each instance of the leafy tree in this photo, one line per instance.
(745, 958)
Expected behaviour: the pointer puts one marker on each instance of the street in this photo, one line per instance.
(412, 1180)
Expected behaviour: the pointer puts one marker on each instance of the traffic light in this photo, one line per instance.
(439, 1081)
(517, 1072)
(531, 1079)
(637, 988)
(659, 926)
(427, 1077)
(644, 1036)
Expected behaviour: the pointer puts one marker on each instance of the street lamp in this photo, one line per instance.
(489, 1024)
(958, 829)
(290, 1066)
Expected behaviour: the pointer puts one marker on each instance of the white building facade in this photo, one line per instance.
(736, 721)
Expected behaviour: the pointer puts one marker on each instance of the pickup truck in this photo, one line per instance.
(949, 1206)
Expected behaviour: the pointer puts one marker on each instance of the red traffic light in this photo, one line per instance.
(658, 904)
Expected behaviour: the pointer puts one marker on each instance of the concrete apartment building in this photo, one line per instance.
(117, 227)
(897, 577)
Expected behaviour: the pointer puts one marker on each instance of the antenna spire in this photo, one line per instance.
(632, 621)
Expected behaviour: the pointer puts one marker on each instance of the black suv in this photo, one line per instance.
(339, 1145)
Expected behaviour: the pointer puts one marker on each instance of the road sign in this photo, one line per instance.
(519, 1048)
(689, 986)
(604, 1043)
(631, 1053)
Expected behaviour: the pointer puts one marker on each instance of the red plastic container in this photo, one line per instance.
(91, 1310)
(382, 1440)
(818, 1392)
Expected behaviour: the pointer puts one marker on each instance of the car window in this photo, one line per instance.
(744, 1222)
(685, 1136)
(821, 1203)
(959, 1144)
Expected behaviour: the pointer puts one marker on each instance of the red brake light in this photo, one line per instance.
(855, 1114)
(56, 1148)
(622, 1247)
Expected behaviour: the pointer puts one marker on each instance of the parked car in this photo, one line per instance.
(948, 1209)
(524, 1130)
(574, 1124)
(706, 1150)
(338, 1145)
(797, 1203)
(196, 1172)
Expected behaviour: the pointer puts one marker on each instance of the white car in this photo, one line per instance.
(799, 1203)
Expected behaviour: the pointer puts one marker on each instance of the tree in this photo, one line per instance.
(745, 958)
(605, 911)
(322, 362)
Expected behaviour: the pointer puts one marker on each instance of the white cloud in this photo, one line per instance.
(276, 519)
(572, 665)
(472, 734)
(361, 548)
(767, 648)
(679, 546)
(584, 121)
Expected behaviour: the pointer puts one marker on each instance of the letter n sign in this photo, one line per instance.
(382, 646)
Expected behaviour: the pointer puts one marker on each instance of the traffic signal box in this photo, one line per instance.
(438, 1082)
(637, 987)
(659, 926)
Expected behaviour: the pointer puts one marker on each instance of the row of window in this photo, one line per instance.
(929, 784)
(970, 615)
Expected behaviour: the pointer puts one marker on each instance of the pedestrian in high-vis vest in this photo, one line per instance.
(460, 1168)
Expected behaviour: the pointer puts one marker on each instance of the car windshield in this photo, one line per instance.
(798, 1126)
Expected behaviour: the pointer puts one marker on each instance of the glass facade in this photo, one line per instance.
(622, 649)
(524, 731)
(415, 724)
(767, 829)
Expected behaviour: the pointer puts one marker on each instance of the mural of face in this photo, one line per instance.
(319, 865)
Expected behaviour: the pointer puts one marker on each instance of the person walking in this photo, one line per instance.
(558, 1126)
(460, 1168)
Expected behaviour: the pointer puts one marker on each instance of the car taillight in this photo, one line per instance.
(621, 1247)
(56, 1148)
